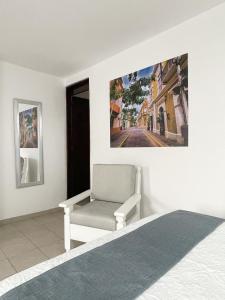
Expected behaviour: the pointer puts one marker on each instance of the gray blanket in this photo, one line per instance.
(123, 268)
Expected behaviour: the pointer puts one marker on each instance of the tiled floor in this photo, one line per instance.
(26, 243)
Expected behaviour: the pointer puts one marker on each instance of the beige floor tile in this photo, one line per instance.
(54, 249)
(57, 227)
(8, 236)
(7, 228)
(6, 269)
(8, 232)
(22, 262)
(45, 219)
(2, 256)
(43, 237)
(58, 215)
(16, 246)
(20, 242)
(28, 226)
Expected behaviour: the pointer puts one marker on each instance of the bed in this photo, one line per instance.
(178, 255)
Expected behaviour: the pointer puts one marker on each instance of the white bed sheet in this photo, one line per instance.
(199, 275)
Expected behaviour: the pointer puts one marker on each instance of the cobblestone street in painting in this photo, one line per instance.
(138, 137)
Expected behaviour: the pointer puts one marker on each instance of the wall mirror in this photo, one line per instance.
(28, 143)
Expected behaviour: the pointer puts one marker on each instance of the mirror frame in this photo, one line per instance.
(16, 102)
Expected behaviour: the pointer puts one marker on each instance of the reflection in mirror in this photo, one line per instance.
(28, 143)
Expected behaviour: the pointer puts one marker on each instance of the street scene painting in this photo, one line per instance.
(149, 107)
(28, 128)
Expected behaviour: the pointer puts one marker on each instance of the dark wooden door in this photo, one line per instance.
(78, 142)
(161, 121)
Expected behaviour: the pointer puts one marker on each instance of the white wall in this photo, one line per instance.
(30, 85)
(173, 178)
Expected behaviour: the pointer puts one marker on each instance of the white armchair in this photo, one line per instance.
(114, 202)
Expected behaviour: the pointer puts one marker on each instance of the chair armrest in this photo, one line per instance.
(74, 200)
(125, 208)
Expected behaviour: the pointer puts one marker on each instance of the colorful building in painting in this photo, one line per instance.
(116, 86)
(126, 120)
(143, 116)
(166, 113)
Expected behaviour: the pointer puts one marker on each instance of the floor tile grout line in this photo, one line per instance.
(32, 264)
(4, 257)
(8, 258)
(11, 264)
(36, 247)
(27, 238)
(55, 233)
(44, 253)
(14, 256)
(27, 252)
(30, 240)
(45, 227)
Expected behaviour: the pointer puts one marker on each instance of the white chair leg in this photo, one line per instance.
(120, 222)
(138, 207)
(67, 241)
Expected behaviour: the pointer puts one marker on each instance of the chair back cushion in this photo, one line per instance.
(114, 183)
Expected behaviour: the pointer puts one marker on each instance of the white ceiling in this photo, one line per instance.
(62, 37)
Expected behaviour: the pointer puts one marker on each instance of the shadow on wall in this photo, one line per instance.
(149, 204)
(146, 204)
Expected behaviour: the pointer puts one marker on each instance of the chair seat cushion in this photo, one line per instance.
(98, 214)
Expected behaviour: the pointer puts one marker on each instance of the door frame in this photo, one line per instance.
(72, 90)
